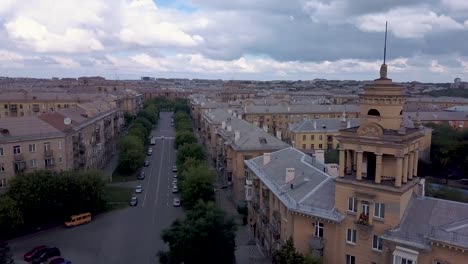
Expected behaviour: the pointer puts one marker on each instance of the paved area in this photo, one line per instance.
(130, 235)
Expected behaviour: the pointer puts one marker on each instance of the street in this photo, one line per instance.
(129, 235)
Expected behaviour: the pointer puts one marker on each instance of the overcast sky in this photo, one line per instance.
(234, 39)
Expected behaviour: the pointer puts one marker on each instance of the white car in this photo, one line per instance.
(174, 181)
(175, 189)
(174, 168)
(138, 189)
(175, 176)
(176, 202)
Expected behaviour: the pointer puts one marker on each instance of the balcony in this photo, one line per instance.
(316, 243)
(277, 216)
(48, 153)
(265, 193)
(18, 157)
(363, 221)
(20, 167)
(49, 163)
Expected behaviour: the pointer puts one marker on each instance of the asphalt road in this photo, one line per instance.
(130, 235)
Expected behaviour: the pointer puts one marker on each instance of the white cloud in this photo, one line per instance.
(142, 25)
(437, 67)
(65, 62)
(464, 64)
(407, 22)
(456, 4)
(8, 56)
(331, 12)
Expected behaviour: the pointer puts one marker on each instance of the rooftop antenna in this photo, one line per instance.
(385, 44)
(383, 68)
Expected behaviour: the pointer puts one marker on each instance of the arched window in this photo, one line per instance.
(373, 112)
(401, 112)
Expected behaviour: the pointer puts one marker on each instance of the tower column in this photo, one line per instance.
(415, 165)
(405, 168)
(342, 163)
(354, 160)
(398, 172)
(359, 166)
(410, 165)
(349, 161)
(378, 167)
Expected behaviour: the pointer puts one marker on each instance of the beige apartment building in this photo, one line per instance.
(231, 141)
(375, 211)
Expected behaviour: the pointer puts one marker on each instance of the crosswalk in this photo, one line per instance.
(164, 137)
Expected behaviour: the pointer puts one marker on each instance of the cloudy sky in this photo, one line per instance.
(234, 39)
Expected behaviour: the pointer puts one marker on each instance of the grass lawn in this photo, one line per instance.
(117, 197)
(116, 177)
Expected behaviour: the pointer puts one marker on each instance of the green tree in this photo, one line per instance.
(204, 236)
(184, 137)
(132, 154)
(11, 218)
(150, 114)
(188, 163)
(138, 130)
(181, 106)
(288, 254)
(197, 184)
(186, 151)
(5, 255)
(144, 122)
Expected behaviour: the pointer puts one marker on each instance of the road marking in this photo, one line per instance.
(147, 186)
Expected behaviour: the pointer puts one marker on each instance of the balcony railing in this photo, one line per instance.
(18, 157)
(363, 220)
(316, 243)
(277, 215)
(48, 153)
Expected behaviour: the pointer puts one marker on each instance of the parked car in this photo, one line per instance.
(141, 176)
(175, 181)
(174, 168)
(175, 176)
(147, 163)
(139, 189)
(464, 181)
(33, 253)
(133, 201)
(176, 202)
(175, 189)
(56, 260)
(48, 253)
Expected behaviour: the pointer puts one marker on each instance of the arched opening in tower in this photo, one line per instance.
(373, 112)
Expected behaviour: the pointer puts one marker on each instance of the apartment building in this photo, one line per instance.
(231, 142)
(375, 211)
(28, 144)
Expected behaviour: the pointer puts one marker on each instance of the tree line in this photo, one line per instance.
(206, 234)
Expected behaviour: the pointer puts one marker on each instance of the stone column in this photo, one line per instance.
(359, 166)
(410, 165)
(349, 160)
(405, 168)
(342, 163)
(354, 160)
(378, 167)
(371, 210)
(398, 172)
(415, 165)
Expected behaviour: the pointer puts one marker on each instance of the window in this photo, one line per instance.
(35, 107)
(379, 210)
(373, 112)
(303, 137)
(400, 260)
(32, 147)
(33, 163)
(6, 106)
(60, 160)
(1, 152)
(47, 146)
(312, 137)
(350, 259)
(377, 243)
(60, 144)
(16, 150)
(2, 167)
(319, 229)
(320, 146)
(403, 255)
(3, 183)
(49, 162)
(303, 146)
(351, 236)
(312, 146)
(320, 137)
(365, 209)
(352, 204)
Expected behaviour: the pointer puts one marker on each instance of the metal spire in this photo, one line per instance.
(385, 44)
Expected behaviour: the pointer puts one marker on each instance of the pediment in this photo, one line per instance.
(370, 130)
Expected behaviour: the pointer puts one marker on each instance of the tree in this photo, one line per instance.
(5, 255)
(11, 218)
(138, 130)
(149, 113)
(197, 184)
(144, 122)
(132, 154)
(186, 151)
(204, 236)
(184, 137)
(288, 254)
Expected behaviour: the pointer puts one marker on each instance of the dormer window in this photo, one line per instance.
(373, 112)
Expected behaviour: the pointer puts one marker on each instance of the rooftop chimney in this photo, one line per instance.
(229, 128)
(236, 135)
(290, 175)
(278, 134)
(266, 158)
(349, 124)
(315, 125)
(265, 128)
(239, 116)
(223, 125)
(289, 108)
(234, 114)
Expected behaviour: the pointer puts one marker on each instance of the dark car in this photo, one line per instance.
(133, 201)
(174, 168)
(146, 163)
(56, 260)
(50, 252)
(30, 255)
(141, 176)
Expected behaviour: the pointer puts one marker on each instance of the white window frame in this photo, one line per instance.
(60, 159)
(354, 204)
(350, 259)
(377, 243)
(2, 152)
(46, 146)
(2, 167)
(402, 255)
(15, 148)
(60, 144)
(365, 208)
(3, 183)
(33, 163)
(379, 210)
(351, 235)
(319, 227)
(32, 147)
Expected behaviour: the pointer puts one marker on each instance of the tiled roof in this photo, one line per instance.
(313, 191)
(438, 116)
(300, 109)
(429, 219)
(323, 124)
(26, 127)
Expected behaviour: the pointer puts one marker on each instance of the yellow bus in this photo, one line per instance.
(79, 219)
